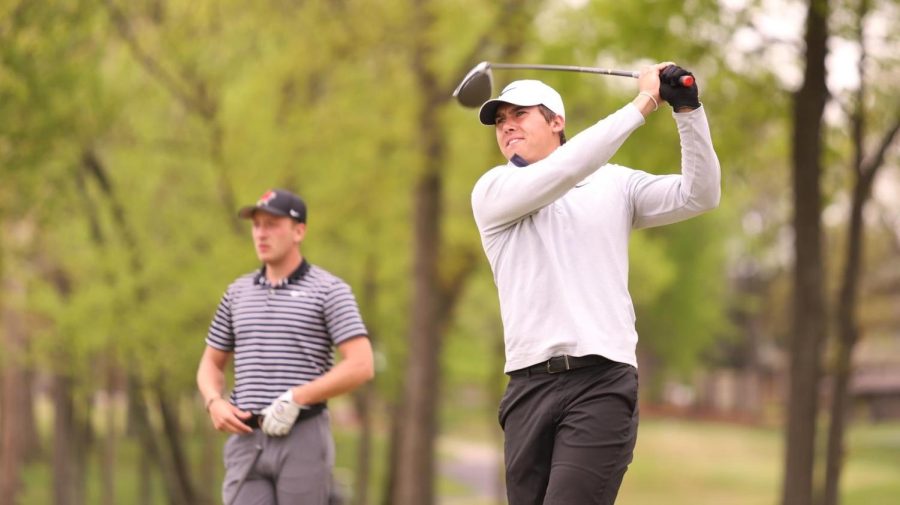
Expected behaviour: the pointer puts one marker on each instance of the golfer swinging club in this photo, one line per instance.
(280, 324)
(554, 222)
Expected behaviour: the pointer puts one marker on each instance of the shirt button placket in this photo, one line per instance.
(270, 297)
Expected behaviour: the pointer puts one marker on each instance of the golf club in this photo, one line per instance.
(477, 86)
(257, 451)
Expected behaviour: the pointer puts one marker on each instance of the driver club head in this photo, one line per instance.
(476, 87)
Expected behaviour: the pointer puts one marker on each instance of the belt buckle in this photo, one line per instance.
(254, 421)
(566, 368)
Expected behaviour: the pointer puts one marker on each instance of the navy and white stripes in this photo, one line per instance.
(282, 335)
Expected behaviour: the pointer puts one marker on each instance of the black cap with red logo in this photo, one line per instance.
(279, 202)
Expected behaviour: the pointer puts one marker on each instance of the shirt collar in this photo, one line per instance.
(295, 276)
(518, 161)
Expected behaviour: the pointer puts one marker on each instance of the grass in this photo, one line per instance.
(680, 462)
(677, 462)
(701, 463)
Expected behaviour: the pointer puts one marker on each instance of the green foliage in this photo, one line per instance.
(44, 49)
(196, 110)
(690, 313)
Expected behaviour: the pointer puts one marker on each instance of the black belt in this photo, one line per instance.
(255, 420)
(558, 364)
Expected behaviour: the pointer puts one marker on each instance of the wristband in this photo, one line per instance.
(648, 95)
(211, 400)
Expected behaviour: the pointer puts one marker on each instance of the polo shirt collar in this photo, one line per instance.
(518, 161)
(295, 276)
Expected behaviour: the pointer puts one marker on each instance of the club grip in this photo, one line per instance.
(686, 80)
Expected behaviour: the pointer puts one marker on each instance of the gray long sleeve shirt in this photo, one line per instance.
(556, 235)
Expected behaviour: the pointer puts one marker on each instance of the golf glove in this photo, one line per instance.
(279, 417)
(673, 92)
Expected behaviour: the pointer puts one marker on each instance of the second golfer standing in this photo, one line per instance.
(280, 324)
(555, 223)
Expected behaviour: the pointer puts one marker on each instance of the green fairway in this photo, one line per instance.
(680, 462)
(677, 462)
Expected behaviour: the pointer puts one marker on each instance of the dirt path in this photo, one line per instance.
(474, 465)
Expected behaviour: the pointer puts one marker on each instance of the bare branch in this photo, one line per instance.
(96, 169)
(873, 162)
(891, 225)
(505, 10)
(194, 98)
(90, 208)
(193, 102)
(454, 280)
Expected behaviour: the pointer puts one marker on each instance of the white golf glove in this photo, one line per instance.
(280, 415)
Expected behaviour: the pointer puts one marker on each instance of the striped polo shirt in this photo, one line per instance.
(282, 335)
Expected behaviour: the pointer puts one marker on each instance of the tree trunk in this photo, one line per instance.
(110, 447)
(210, 462)
(144, 477)
(848, 327)
(805, 346)
(414, 482)
(18, 436)
(397, 425)
(411, 478)
(110, 443)
(848, 330)
(838, 420)
(362, 398)
(847, 323)
(139, 419)
(415, 463)
(70, 443)
(172, 437)
(16, 396)
(63, 417)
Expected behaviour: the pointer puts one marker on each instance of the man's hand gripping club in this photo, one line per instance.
(681, 98)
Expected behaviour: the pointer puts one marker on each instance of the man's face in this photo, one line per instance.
(275, 237)
(524, 131)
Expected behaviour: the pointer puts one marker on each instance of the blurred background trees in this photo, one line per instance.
(133, 130)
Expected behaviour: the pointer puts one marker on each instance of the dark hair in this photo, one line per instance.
(549, 115)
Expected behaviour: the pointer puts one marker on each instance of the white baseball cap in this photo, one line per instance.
(526, 93)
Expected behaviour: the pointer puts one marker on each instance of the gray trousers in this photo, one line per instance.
(294, 469)
(569, 437)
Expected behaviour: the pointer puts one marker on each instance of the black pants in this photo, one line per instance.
(569, 436)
